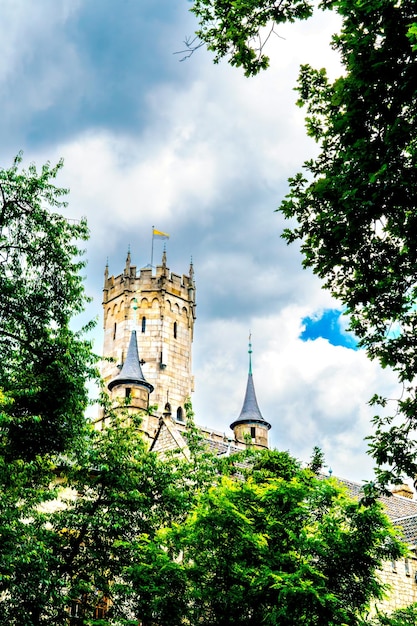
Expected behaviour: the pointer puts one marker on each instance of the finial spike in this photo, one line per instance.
(250, 352)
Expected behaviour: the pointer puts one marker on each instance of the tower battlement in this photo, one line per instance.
(131, 281)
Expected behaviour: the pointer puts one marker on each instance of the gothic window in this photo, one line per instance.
(180, 414)
(175, 330)
(143, 324)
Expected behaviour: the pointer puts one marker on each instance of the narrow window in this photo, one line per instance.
(407, 568)
(394, 566)
(114, 331)
(143, 324)
(180, 416)
(128, 393)
(101, 609)
(175, 330)
(253, 432)
(75, 609)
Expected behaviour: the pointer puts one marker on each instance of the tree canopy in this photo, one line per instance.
(239, 29)
(281, 546)
(44, 364)
(250, 539)
(354, 203)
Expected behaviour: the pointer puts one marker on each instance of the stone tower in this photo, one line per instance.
(250, 426)
(160, 306)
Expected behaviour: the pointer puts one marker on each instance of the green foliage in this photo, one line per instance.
(354, 204)
(239, 29)
(44, 365)
(149, 536)
(100, 537)
(401, 617)
(356, 209)
(281, 550)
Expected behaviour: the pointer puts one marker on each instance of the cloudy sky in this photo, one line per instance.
(203, 154)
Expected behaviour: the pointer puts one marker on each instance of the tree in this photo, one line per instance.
(83, 551)
(44, 365)
(236, 28)
(355, 203)
(356, 210)
(93, 545)
(124, 535)
(401, 617)
(281, 546)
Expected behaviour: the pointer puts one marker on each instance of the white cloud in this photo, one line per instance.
(209, 167)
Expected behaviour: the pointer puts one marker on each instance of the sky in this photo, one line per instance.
(204, 154)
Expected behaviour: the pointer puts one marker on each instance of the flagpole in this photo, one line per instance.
(153, 228)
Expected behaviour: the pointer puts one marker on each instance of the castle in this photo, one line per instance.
(148, 333)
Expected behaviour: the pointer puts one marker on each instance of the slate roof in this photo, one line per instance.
(221, 447)
(131, 372)
(250, 411)
(401, 511)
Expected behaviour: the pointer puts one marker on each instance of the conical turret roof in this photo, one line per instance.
(131, 372)
(250, 412)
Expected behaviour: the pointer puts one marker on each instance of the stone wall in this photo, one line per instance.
(160, 306)
(400, 576)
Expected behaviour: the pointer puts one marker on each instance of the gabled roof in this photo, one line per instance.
(168, 438)
(131, 372)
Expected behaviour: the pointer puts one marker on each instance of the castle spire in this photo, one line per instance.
(250, 421)
(128, 259)
(106, 273)
(131, 372)
(250, 354)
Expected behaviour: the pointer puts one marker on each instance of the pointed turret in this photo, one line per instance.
(130, 383)
(128, 261)
(131, 372)
(250, 422)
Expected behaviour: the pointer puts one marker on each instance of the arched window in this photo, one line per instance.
(143, 324)
(180, 414)
(175, 330)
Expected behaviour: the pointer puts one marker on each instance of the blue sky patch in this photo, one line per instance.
(328, 324)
